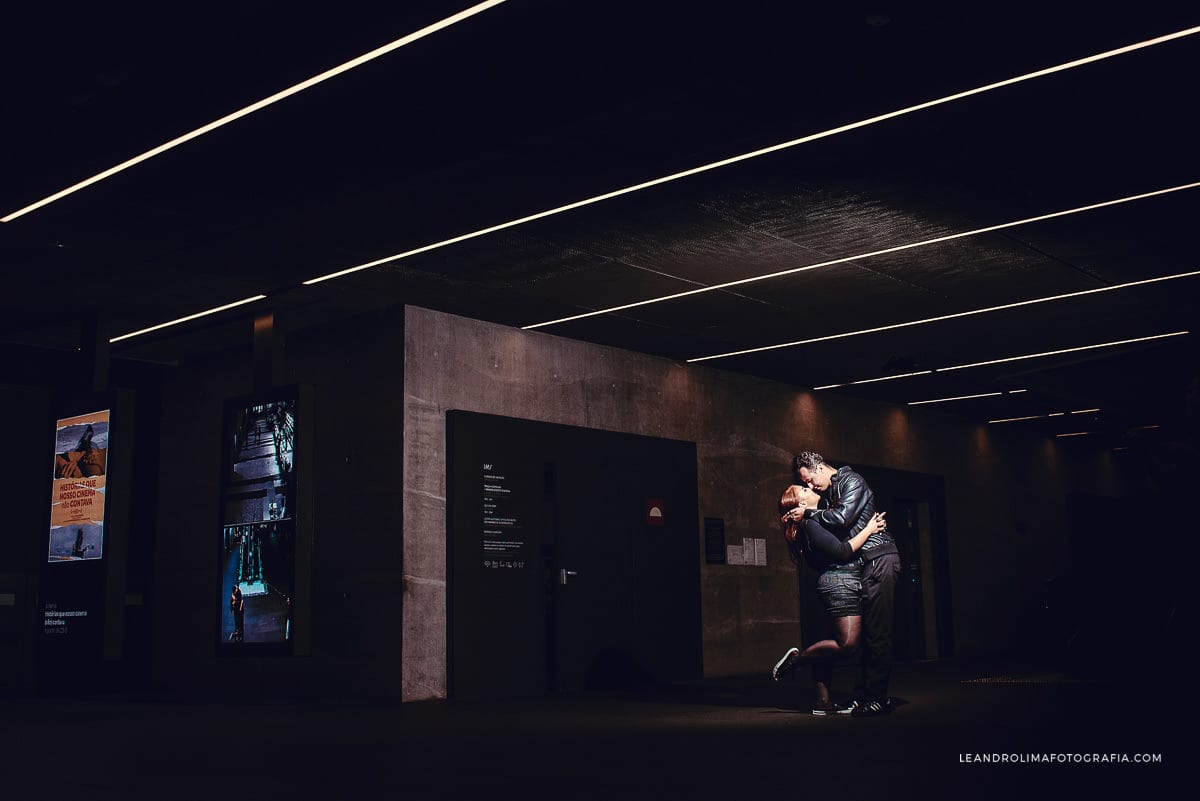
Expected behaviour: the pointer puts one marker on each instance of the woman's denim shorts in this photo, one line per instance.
(841, 591)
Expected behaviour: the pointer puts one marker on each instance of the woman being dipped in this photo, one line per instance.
(839, 585)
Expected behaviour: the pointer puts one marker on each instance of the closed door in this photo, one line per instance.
(909, 631)
(627, 597)
(598, 583)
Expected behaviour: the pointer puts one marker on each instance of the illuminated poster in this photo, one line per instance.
(258, 525)
(77, 496)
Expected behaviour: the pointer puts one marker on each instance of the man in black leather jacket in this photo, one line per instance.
(848, 506)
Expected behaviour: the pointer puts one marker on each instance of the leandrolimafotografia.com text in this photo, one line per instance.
(1058, 758)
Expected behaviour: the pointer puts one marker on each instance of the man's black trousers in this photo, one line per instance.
(879, 609)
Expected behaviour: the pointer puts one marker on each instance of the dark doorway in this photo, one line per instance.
(574, 558)
(1080, 628)
(916, 515)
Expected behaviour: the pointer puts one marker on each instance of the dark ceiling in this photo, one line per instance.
(534, 104)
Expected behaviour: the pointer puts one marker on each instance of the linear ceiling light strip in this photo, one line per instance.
(874, 380)
(1010, 359)
(942, 317)
(845, 259)
(1039, 416)
(190, 317)
(764, 151)
(743, 157)
(1062, 351)
(955, 398)
(261, 104)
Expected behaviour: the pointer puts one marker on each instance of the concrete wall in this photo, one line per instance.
(745, 430)
(381, 385)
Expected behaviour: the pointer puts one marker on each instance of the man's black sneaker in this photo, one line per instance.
(785, 664)
(831, 709)
(870, 709)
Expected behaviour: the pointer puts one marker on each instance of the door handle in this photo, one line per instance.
(564, 573)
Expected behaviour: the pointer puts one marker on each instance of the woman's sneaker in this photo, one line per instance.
(832, 709)
(785, 664)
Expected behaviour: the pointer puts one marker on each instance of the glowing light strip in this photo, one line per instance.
(1009, 359)
(1015, 391)
(1076, 434)
(261, 104)
(1064, 350)
(1085, 411)
(943, 317)
(694, 171)
(959, 397)
(873, 380)
(743, 157)
(845, 259)
(195, 316)
(1038, 416)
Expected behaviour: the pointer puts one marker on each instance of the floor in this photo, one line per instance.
(723, 738)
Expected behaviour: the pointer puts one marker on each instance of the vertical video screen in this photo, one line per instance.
(258, 529)
(77, 494)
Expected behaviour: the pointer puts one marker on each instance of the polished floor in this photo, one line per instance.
(727, 738)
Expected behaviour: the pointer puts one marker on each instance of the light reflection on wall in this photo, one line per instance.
(806, 411)
(897, 436)
(1050, 452)
(983, 442)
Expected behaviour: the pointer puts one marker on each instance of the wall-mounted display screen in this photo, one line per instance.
(77, 495)
(257, 532)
